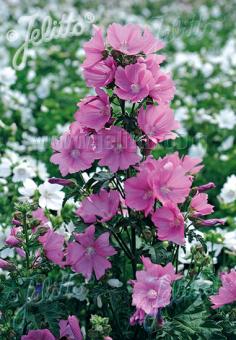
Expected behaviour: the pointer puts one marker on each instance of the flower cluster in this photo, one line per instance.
(134, 195)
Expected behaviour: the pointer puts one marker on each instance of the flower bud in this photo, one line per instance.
(12, 241)
(61, 181)
(16, 222)
(5, 265)
(211, 222)
(205, 187)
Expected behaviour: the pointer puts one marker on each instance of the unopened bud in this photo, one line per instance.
(61, 181)
(211, 222)
(206, 187)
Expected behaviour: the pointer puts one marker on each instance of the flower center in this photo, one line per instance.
(21, 172)
(75, 153)
(124, 46)
(165, 190)
(147, 195)
(90, 251)
(119, 147)
(151, 294)
(168, 166)
(135, 88)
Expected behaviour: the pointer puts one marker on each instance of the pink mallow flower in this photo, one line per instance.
(164, 179)
(139, 192)
(87, 254)
(13, 239)
(131, 39)
(227, 293)
(39, 215)
(162, 88)
(99, 207)
(94, 48)
(152, 288)
(133, 82)
(157, 122)
(116, 149)
(53, 246)
(70, 329)
(200, 206)
(101, 74)
(152, 63)
(171, 184)
(39, 334)
(94, 111)
(170, 224)
(73, 153)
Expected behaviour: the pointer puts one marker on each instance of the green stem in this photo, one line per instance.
(26, 248)
(133, 250)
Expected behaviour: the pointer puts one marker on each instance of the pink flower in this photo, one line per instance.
(20, 252)
(53, 245)
(170, 224)
(100, 74)
(162, 88)
(170, 182)
(152, 63)
(163, 179)
(39, 215)
(116, 149)
(94, 48)
(139, 192)
(70, 329)
(94, 111)
(137, 318)
(132, 82)
(132, 39)
(99, 207)
(191, 165)
(157, 122)
(87, 254)
(39, 334)
(227, 293)
(152, 288)
(73, 153)
(13, 239)
(200, 206)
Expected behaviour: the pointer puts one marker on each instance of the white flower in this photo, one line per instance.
(43, 89)
(230, 240)
(207, 69)
(28, 189)
(227, 144)
(197, 150)
(7, 76)
(226, 119)
(22, 172)
(228, 192)
(66, 229)
(181, 114)
(5, 167)
(51, 196)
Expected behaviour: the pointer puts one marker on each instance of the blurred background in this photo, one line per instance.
(41, 82)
